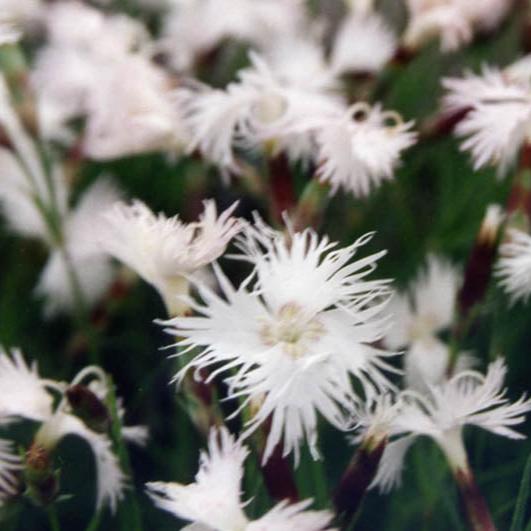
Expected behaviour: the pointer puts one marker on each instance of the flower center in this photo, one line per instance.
(292, 330)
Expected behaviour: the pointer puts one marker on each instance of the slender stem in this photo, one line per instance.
(94, 522)
(132, 520)
(475, 507)
(53, 518)
(312, 205)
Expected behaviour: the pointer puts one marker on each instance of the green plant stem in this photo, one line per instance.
(94, 522)
(53, 518)
(133, 520)
(522, 500)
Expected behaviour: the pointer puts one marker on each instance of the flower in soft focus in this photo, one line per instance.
(293, 349)
(468, 398)
(364, 42)
(454, 21)
(25, 395)
(164, 251)
(514, 265)
(80, 252)
(102, 71)
(217, 487)
(266, 106)
(10, 464)
(361, 147)
(419, 315)
(17, 16)
(499, 113)
(260, 23)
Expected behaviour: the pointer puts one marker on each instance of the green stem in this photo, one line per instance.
(53, 518)
(130, 516)
(94, 522)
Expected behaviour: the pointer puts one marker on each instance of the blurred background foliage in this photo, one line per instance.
(435, 204)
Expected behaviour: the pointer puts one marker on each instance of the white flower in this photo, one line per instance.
(163, 251)
(9, 465)
(217, 487)
(269, 103)
(469, 398)
(361, 148)
(429, 306)
(454, 21)
(418, 316)
(514, 265)
(499, 119)
(364, 43)
(111, 480)
(260, 22)
(130, 111)
(9, 33)
(81, 228)
(25, 395)
(287, 339)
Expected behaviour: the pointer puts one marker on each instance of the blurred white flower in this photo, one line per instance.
(454, 21)
(360, 148)
(217, 486)
(499, 119)
(9, 33)
(514, 265)
(259, 22)
(18, 16)
(468, 398)
(10, 463)
(418, 316)
(287, 339)
(81, 252)
(164, 251)
(266, 105)
(364, 43)
(100, 68)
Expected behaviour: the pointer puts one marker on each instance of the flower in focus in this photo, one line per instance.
(164, 251)
(217, 486)
(514, 265)
(285, 339)
(499, 113)
(468, 398)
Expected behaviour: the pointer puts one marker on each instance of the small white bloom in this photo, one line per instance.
(217, 486)
(361, 148)
(259, 22)
(286, 339)
(499, 119)
(428, 308)
(418, 316)
(9, 465)
(111, 480)
(81, 228)
(468, 398)
(9, 33)
(163, 251)
(269, 103)
(514, 265)
(454, 21)
(24, 393)
(364, 43)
